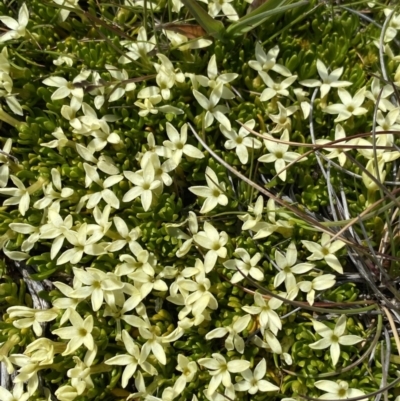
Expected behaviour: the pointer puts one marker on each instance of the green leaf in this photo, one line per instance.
(261, 15)
(209, 24)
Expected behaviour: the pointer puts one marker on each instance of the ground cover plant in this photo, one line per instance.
(199, 200)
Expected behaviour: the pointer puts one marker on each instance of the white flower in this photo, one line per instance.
(325, 251)
(130, 360)
(31, 317)
(214, 80)
(16, 395)
(154, 342)
(50, 194)
(121, 87)
(128, 237)
(23, 228)
(56, 228)
(212, 110)
(282, 119)
(214, 192)
(151, 96)
(145, 183)
(68, 303)
(378, 173)
(381, 93)
(382, 155)
(328, 81)
(106, 193)
(269, 319)
(60, 142)
(176, 146)
(246, 266)
(288, 267)
(333, 338)
(394, 25)
(182, 43)
(278, 154)
(216, 6)
(141, 391)
(66, 89)
(253, 382)
(187, 367)
(167, 75)
(200, 297)
(64, 60)
(319, 283)
(337, 390)
(5, 163)
(340, 151)
(79, 333)
(82, 244)
(80, 374)
(275, 88)
(220, 370)
(350, 106)
(139, 48)
(64, 13)
(17, 28)
(211, 239)
(96, 285)
(266, 62)
(233, 341)
(240, 141)
(19, 196)
(388, 123)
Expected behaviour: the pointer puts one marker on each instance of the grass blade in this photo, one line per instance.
(261, 15)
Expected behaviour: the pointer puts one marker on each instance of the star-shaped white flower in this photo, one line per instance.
(214, 79)
(318, 284)
(267, 61)
(275, 88)
(328, 81)
(279, 154)
(325, 251)
(5, 163)
(176, 146)
(130, 360)
(253, 382)
(215, 7)
(19, 196)
(221, 370)
(382, 93)
(337, 390)
(212, 110)
(145, 183)
(79, 333)
(350, 106)
(139, 48)
(96, 285)
(233, 341)
(244, 267)
(240, 141)
(338, 152)
(288, 267)
(268, 318)
(214, 192)
(333, 338)
(17, 28)
(211, 239)
(16, 395)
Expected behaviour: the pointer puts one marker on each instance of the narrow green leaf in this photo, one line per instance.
(261, 15)
(209, 24)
